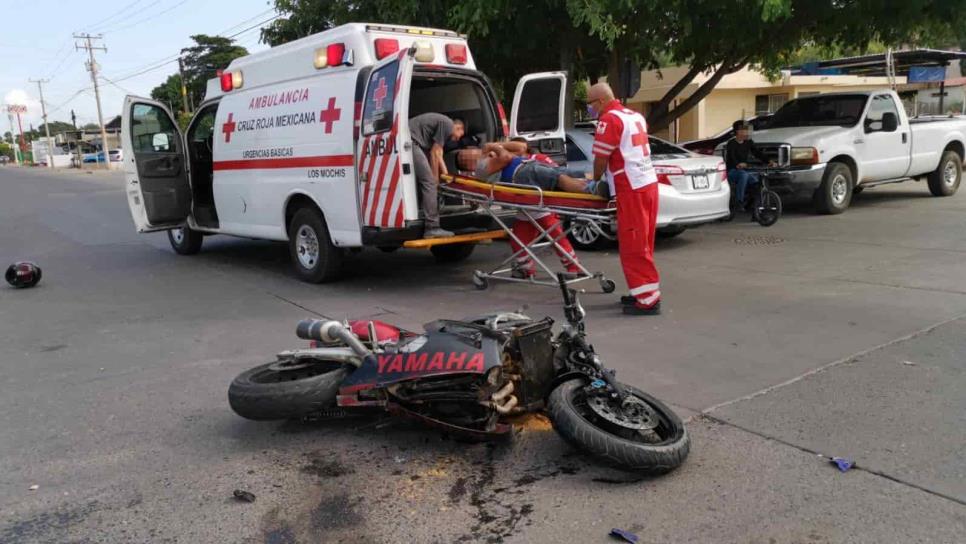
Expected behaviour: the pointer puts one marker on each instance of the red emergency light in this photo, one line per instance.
(665, 171)
(386, 47)
(225, 79)
(455, 53)
(334, 54)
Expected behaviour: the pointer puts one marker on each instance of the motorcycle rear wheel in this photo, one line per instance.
(270, 391)
(657, 451)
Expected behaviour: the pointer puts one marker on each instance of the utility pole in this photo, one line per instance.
(92, 66)
(13, 135)
(184, 88)
(43, 109)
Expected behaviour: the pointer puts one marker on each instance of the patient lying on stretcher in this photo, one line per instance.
(509, 162)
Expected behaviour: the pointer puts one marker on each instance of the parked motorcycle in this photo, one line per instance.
(467, 377)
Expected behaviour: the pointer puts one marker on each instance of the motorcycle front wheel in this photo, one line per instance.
(280, 391)
(646, 436)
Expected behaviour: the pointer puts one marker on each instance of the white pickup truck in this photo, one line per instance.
(832, 146)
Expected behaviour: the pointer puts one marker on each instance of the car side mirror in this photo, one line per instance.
(890, 122)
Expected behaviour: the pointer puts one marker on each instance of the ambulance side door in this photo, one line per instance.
(538, 112)
(155, 167)
(387, 194)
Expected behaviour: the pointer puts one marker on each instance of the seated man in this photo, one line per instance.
(504, 162)
(737, 153)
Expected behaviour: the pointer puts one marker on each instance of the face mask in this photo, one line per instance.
(591, 112)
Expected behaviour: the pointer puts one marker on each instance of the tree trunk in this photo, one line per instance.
(661, 122)
(614, 69)
(660, 109)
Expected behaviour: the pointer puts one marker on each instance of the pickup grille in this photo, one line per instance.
(780, 153)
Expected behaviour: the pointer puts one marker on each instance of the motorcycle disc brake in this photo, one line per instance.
(634, 414)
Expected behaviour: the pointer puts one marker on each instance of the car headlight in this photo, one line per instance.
(804, 155)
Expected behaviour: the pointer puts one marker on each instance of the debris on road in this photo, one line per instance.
(23, 274)
(909, 363)
(624, 535)
(243, 495)
(34, 487)
(843, 463)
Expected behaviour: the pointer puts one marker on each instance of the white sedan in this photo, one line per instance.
(693, 188)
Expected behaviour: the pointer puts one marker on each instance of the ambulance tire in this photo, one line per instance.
(268, 392)
(571, 417)
(314, 257)
(185, 241)
(452, 253)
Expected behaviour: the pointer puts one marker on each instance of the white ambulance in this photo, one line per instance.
(309, 143)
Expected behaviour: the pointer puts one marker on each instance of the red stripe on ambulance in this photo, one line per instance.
(287, 162)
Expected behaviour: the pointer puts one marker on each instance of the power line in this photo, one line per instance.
(246, 21)
(116, 85)
(256, 25)
(148, 18)
(93, 27)
(69, 100)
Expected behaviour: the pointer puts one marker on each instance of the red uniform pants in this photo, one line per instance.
(527, 233)
(636, 222)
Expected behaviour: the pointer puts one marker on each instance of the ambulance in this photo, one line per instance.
(308, 143)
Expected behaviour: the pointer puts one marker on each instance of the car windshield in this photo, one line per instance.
(838, 110)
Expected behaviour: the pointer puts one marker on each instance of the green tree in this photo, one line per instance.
(201, 63)
(169, 92)
(588, 38)
(91, 126)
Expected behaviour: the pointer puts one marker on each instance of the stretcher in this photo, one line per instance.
(530, 202)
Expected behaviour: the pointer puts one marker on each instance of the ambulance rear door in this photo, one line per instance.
(155, 167)
(538, 111)
(387, 188)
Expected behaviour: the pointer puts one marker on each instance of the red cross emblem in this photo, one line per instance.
(640, 137)
(330, 115)
(228, 128)
(382, 91)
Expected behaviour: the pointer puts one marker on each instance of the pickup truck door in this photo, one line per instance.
(538, 111)
(155, 172)
(385, 154)
(884, 151)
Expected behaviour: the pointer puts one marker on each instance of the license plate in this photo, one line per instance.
(700, 182)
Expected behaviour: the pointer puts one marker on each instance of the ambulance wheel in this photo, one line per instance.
(607, 285)
(314, 257)
(452, 253)
(185, 241)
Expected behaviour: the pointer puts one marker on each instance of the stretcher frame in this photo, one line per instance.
(486, 196)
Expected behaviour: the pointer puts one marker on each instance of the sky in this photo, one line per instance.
(140, 35)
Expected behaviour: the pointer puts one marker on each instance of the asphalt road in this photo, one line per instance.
(840, 335)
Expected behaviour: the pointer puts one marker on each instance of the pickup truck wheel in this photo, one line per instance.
(314, 257)
(834, 195)
(944, 181)
(587, 237)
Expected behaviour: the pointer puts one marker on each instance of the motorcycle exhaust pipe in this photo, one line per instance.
(330, 332)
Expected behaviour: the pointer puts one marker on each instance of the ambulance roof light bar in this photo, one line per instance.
(420, 31)
(334, 54)
(230, 80)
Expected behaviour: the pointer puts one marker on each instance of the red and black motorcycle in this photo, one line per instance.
(467, 377)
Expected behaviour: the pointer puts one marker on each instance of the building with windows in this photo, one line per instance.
(743, 94)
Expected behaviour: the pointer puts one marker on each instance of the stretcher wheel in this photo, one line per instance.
(480, 281)
(607, 285)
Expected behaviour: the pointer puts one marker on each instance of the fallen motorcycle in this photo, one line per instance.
(467, 377)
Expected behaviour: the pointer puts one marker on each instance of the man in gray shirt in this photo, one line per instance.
(429, 132)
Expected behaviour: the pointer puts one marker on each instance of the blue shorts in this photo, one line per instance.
(543, 175)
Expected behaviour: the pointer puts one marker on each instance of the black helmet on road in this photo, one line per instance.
(23, 274)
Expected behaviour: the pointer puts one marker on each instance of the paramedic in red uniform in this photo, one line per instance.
(622, 152)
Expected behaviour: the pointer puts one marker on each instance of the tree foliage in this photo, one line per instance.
(589, 38)
(201, 63)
